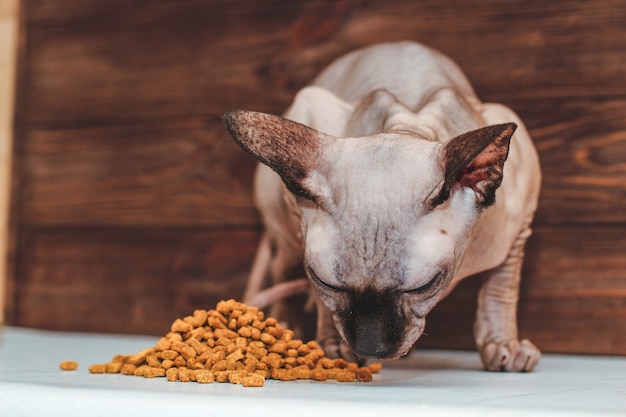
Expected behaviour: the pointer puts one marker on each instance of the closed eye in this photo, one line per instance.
(424, 288)
(317, 279)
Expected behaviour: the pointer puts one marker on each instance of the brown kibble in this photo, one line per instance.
(97, 368)
(346, 376)
(278, 347)
(318, 375)
(340, 363)
(204, 376)
(136, 359)
(140, 369)
(363, 374)
(68, 365)
(197, 345)
(184, 374)
(180, 361)
(119, 358)
(287, 335)
(167, 364)
(312, 344)
(326, 363)
(268, 339)
(188, 352)
(174, 337)
(220, 366)
(114, 367)
(282, 374)
(172, 374)
(237, 344)
(181, 326)
(163, 344)
(221, 376)
(375, 367)
(153, 361)
(241, 343)
(236, 356)
(259, 324)
(151, 372)
(245, 331)
(253, 380)
(128, 369)
(199, 318)
(168, 354)
(255, 333)
(236, 377)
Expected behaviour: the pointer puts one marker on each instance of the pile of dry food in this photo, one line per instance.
(237, 344)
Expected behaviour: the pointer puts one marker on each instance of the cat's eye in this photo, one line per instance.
(424, 288)
(317, 279)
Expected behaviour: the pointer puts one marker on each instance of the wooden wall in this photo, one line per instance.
(131, 206)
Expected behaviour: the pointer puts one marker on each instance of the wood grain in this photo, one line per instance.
(127, 282)
(166, 60)
(175, 174)
(582, 149)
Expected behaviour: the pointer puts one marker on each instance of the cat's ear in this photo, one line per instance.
(476, 160)
(289, 148)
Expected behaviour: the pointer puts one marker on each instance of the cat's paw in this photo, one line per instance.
(512, 355)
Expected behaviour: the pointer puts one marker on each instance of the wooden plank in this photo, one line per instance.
(188, 173)
(124, 281)
(128, 68)
(582, 150)
(573, 295)
(149, 63)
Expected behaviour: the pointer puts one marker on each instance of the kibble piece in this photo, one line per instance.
(150, 372)
(253, 380)
(180, 361)
(199, 318)
(136, 359)
(184, 374)
(363, 374)
(163, 344)
(153, 361)
(204, 376)
(114, 367)
(128, 369)
(98, 368)
(236, 377)
(68, 365)
(172, 374)
(188, 352)
(375, 367)
(346, 376)
(168, 354)
(167, 364)
(181, 326)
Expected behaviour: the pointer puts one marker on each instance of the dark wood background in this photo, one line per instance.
(131, 206)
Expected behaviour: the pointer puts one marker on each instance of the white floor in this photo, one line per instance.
(429, 383)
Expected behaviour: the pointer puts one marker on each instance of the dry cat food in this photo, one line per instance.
(68, 365)
(237, 344)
